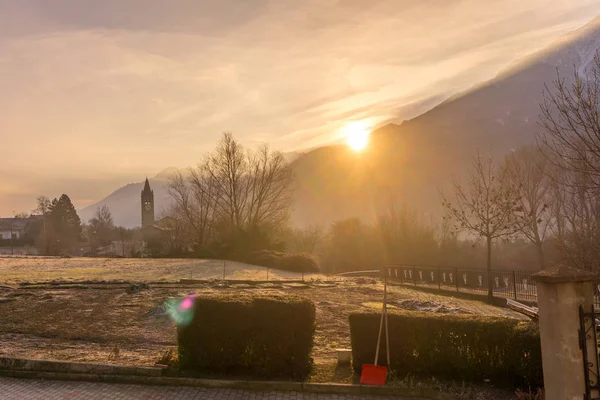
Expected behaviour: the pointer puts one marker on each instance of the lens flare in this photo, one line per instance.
(181, 311)
(186, 304)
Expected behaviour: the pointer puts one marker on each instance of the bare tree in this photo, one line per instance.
(43, 238)
(527, 171)
(43, 206)
(558, 204)
(234, 190)
(253, 188)
(570, 116)
(268, 189)
(485, 207)
(226, 168)
(576, 216)
(194, 198)
(175, 231)
(406, 238)
(305, 240)
(571, 120)
(101, 228)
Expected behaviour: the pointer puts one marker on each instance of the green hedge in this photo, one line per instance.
(461, 347)
(261, 336)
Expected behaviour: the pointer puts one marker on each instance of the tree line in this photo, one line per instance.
(54, 228)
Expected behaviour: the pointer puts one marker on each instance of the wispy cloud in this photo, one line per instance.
(117, 88)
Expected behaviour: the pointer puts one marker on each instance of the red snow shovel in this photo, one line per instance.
(373, 374)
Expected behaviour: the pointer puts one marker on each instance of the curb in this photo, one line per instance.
(68, 371)
(22, 364)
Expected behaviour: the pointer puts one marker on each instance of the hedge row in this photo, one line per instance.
(295, 262)
(461, 347)
(259, 336)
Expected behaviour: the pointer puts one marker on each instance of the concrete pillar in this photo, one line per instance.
(560, 292)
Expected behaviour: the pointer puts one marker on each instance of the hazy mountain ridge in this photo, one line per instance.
(125, 203)
(413, 161)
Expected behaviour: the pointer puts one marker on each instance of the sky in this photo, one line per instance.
(97, 94)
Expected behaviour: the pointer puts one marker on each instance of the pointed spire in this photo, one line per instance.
(146, 185)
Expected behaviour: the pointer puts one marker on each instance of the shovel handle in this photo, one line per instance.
(383, 310)
(387, 333)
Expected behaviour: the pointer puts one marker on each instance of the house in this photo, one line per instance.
(16, 236)
(13, 228)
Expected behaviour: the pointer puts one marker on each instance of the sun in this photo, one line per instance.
(357, 135)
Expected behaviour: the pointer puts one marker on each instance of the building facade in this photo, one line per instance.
(12, 228)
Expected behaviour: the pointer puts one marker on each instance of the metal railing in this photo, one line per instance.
(516, 285)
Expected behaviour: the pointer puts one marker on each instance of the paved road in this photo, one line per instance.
(28, 389)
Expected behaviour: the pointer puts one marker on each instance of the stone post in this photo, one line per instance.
(560, 292)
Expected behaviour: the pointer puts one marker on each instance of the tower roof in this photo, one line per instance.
(147, 186)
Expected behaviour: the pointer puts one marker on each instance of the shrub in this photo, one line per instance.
(260, 336)
(265, 258)
(461, 347)
(298, 263)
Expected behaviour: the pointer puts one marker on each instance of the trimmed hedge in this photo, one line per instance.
(461, 347)
(261, 336)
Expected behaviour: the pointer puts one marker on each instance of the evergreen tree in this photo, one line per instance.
(66, 225)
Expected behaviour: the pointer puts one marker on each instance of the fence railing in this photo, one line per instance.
(516, 285)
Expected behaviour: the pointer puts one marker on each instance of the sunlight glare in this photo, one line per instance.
(357, 135)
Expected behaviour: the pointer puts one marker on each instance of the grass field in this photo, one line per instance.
(106, 323)
(39, 269)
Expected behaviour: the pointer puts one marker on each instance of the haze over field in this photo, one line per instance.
(95, 95)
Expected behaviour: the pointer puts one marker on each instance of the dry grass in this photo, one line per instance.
(37, 269)
(105, 324)
(107, 316)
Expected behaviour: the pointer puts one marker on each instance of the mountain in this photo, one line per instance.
(410, 163)
(125, 202)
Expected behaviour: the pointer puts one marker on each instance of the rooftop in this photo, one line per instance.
(14, 223)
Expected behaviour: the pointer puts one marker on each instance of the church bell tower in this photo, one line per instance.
(147, 205)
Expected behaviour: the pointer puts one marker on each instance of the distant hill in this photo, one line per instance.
(124, 203)
(413, 161)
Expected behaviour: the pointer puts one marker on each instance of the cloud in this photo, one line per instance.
(121, 88)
